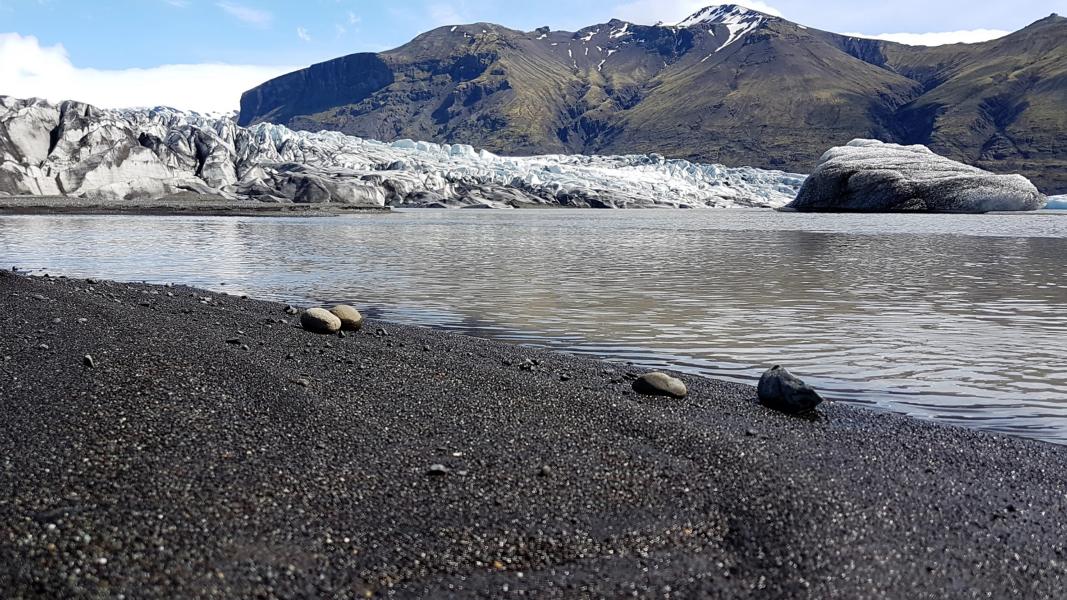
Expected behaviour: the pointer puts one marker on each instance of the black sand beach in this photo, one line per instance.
(215, 451)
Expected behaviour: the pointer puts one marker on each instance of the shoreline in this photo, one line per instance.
(214, 206)
(177, 205)
(213, 449)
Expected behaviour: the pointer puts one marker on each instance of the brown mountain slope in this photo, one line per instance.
(727, 85)
(1000, 105)
(778, 97)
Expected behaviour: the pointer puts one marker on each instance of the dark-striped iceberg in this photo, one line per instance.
(872, 176)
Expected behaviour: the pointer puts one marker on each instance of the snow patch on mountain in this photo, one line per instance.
(738, 20)
(74, 149)
(621, 32)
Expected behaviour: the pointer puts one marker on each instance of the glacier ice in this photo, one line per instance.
(873, 176)
(75, 149)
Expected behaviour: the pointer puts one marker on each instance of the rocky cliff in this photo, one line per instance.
(727, 85)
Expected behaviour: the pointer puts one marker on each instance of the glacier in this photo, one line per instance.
(77, 150)
(1057, 202)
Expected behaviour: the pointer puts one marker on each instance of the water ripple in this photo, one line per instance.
(959, 318)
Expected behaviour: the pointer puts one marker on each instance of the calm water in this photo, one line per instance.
(957, 318)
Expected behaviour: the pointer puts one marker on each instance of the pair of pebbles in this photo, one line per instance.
(778, 389)
(338, 318)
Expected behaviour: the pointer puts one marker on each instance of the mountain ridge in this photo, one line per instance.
(727, 85)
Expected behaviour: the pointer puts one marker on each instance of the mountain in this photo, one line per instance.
(77, 150)
(728, 85)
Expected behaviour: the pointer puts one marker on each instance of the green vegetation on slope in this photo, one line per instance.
(776, 97)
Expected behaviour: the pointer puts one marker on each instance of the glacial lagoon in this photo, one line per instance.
(956, 318)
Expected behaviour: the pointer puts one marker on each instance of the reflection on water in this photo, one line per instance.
(954, 317)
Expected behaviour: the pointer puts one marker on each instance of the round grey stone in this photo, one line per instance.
(438, 470)
(660, 384)
(320, 320)
(351, 320)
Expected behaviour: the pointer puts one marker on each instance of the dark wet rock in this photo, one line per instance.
(781, 390)
(291, 310)
(872, 176)
(320, 320)
(350, 318)
(659, 384)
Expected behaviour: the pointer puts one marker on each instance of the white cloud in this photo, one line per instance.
(246, 14)
(647, 12)
(29, 70)
(303, 34)
(445, 14)
(969, 36)
(178, 3)
(353, 18)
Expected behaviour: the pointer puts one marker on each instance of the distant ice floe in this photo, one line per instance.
(1057, 202)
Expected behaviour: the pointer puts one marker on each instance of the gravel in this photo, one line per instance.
(184, 467)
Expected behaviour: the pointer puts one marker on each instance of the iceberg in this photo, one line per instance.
(873, 176)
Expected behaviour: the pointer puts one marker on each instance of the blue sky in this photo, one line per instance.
(103, 51)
